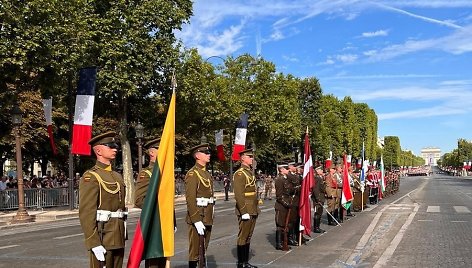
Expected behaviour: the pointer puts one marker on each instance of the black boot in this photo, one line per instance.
(278, 240)
(248, 265)
(192, 264)
(341, 214)
(241, 259)
(317, 222)
(292, 238)
(330, 219)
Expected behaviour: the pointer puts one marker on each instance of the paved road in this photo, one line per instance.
(426, 224)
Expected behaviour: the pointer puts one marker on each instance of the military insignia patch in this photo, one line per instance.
(86, 179)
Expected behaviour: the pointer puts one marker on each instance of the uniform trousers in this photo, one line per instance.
(246, 228)
(194, 241)
(113, 258)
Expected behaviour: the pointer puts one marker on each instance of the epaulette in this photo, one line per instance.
(87, 176)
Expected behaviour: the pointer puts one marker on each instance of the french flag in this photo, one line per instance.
(83, 116)
(219, 145)
(240, 138)
(349, 158)
(47, 106)
(329, 161)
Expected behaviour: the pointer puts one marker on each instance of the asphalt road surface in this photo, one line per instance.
(426, 224)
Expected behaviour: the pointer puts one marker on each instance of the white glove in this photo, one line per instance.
(245, 216)
(99, 252)
(200, 227)
(175, 230)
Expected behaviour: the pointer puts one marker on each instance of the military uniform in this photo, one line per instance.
(318, 193)
(142, 185)
(244, 185)
(284, 190)
(332, 196)
(200, 204)
(268, 187)
(102, 190)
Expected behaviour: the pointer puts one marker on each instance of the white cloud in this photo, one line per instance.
(376, 33)
(422, 113)
(224, 43)
(289, 58)
(347, 58)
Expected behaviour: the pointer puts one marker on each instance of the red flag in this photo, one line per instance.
(240, 139)
(83, 115)
(307, 184)
(219, 145)
(47, 106)
(347, 193)
(329, 161)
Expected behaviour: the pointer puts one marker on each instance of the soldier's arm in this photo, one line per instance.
(141, 189)
(88, 204)
(191, 184)
(239, 189)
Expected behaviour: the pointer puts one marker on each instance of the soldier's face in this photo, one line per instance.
(246, 159)
(203, 156)
(106, 152)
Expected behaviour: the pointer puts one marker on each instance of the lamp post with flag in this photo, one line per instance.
(21, 215)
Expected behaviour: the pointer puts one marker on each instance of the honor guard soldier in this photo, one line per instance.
(102, 206)
(283, 204)
(331, 195)
(318, 193)
(247, 208)
(268, 181)
(142, 184)
(200, 199)
(294, 177)
(339, 214)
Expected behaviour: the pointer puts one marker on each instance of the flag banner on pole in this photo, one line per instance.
(349, 157)
(329, 161)
(47, 106)
(83, 115)
(240, 138)
(307, 184)
(220, 153)
(154, 235)
(382, 174)
(364, 170)
(347, 193)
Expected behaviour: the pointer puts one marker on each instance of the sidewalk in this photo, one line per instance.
(64, 213)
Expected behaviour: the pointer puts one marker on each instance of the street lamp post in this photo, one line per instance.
(140, 134)
(21, 215)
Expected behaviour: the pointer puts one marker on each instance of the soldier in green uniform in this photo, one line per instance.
(332, 195)
(295, 179)
(200, 202)
(247, 209)
(102, 205)
(318, 193)
(142, 184)
(283, 203)
(268, 181)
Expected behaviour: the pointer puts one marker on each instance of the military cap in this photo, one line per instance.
(282, 164)
(107, 138)
(204, 148)
(152, 144)
(319, 168)
(292, 163)
(248, 152)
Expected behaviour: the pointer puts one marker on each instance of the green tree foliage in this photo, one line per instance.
(392, 151)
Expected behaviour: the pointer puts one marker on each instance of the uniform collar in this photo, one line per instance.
(103, 166)
(245, 167)
(200, 166)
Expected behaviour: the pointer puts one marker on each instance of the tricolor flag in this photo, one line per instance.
(219, 145)
(154, 236)
(329, 161)
(240, 138)
(307, 184)
(47, 106)
(349, 157)
(347, 193)
(382, 174)
(83, 115)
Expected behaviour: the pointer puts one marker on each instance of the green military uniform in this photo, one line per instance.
(284, 190)
(244, 186)
(200, 204)
(101, 188)
(142, 185)
(268, 181)
(295, 179)
(332, 196)
(318, 193)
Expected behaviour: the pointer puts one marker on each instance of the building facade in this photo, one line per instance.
(431, 155)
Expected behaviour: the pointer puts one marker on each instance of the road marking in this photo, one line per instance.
(434, 209)
(67, 236)
(10, 246)
(459, 221)
(461, 209)
(426, 220)
(388, 253)
(399, 208)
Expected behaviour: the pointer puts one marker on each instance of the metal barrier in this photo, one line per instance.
(37, 198)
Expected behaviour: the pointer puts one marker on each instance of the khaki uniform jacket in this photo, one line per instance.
(331, 185)
(198, 183)
(106, 195)
(244, 186)
(142, 185)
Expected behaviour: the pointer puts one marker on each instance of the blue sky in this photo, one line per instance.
(409, 60)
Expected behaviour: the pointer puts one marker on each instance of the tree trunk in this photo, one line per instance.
(126, 155)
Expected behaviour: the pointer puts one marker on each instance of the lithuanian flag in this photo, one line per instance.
(154, 236)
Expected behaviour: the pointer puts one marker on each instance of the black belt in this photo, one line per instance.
(339, 188)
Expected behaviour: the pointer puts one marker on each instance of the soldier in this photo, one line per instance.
(102, 205)
(200, 202)
(142, 184)
(351, 178)
(339, 214)
(268, 187)
(247, 209)
(295, 179)
(332, 195)
(283, 203)
(318, 193)
(226, 185)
